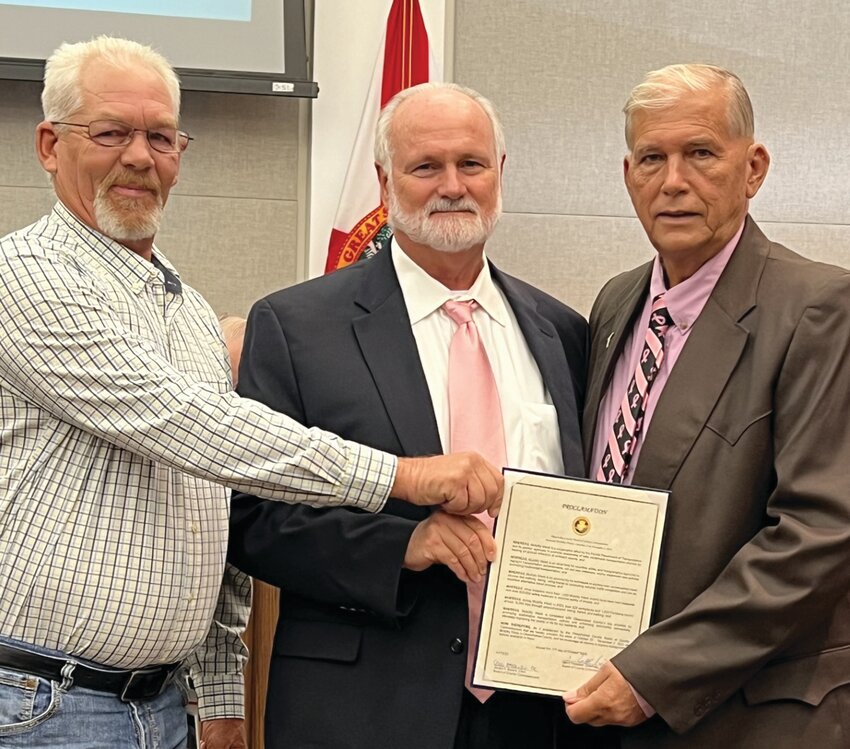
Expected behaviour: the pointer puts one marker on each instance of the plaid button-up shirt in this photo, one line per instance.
(116, 422)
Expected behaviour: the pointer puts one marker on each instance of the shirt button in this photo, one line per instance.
(456, 646)
(194, 527)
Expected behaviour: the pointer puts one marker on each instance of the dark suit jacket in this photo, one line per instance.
(367, 654)
(751, 646)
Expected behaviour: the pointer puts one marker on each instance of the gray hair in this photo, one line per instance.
(663, 88)
(232, 327)
(383, 142)
(62, 96)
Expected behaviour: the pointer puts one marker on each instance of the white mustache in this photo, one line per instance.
(447, 205)
(131, 180)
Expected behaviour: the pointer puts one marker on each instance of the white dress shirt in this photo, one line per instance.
(532, 438)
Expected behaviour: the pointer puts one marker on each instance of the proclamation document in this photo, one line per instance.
(572, 583)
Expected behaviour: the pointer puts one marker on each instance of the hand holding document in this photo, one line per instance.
(573, 580)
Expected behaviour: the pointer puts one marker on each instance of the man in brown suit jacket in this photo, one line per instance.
(747, 426)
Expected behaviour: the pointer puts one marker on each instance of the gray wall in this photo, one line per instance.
(231, 222)
(559, 71)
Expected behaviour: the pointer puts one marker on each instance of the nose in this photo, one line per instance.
(675, 179)
(452, 185)
(137, 153)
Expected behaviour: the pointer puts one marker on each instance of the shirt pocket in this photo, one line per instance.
(538, 436)
(731, 428)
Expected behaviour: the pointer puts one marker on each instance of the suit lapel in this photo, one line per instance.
(389, 350)
(548, 352)
(705, 365)
(609, 337)
(695, 384)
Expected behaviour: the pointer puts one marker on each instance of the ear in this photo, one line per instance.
(626, 165)
(758, 162)
(45, 146)
(382, 181)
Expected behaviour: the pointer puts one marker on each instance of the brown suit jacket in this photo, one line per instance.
(750, 645)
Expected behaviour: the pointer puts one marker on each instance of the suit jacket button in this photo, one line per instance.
(456, 646)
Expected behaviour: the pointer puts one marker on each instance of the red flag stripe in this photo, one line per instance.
(406, 50)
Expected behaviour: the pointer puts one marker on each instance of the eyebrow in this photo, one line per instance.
(703, 143)
(711, 143)
(484, 158)
(170, 122)
(644, 148)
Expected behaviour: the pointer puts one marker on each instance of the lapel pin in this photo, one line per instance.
(608, 340)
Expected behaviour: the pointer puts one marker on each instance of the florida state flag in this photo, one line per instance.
(360, 226)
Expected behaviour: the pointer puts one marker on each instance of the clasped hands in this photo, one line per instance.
(462, 484)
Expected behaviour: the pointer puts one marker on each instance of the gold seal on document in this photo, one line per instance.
(581, 526)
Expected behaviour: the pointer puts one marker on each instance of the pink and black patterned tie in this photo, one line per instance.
(475, 423)
(624, 435)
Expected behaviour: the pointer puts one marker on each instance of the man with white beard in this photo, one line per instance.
(374, 610)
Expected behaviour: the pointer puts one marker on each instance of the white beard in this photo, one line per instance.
(446, 233)
(128, 222)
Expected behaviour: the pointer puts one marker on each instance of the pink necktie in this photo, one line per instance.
(475, 422)
(623, 436)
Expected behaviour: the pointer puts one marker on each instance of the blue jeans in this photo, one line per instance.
(37, 713)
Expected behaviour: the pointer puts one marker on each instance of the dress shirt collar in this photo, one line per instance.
(114, 257)
(686, 299)
(423, 294)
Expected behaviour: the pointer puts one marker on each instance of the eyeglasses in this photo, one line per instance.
(115, 134)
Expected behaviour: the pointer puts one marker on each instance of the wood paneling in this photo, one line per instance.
(259, 636)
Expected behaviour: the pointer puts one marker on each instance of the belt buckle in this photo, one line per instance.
(145, 684)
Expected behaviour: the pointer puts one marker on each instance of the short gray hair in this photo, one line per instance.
(383, 142)
(663, 88)
(232, 327)
(63, 95)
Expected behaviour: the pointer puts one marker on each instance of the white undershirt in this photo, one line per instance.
(530, 422)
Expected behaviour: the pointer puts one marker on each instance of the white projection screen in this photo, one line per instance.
(250, 46)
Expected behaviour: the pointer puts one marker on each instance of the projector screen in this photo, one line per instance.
(238, 45)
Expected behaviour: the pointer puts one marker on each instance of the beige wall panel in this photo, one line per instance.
(571, 257)
(560, 70)
(20, 112)
(829, 243)
(232, 251)
(245, 146)
(23, 205)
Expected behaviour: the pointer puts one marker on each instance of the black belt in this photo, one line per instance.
(141, 684)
